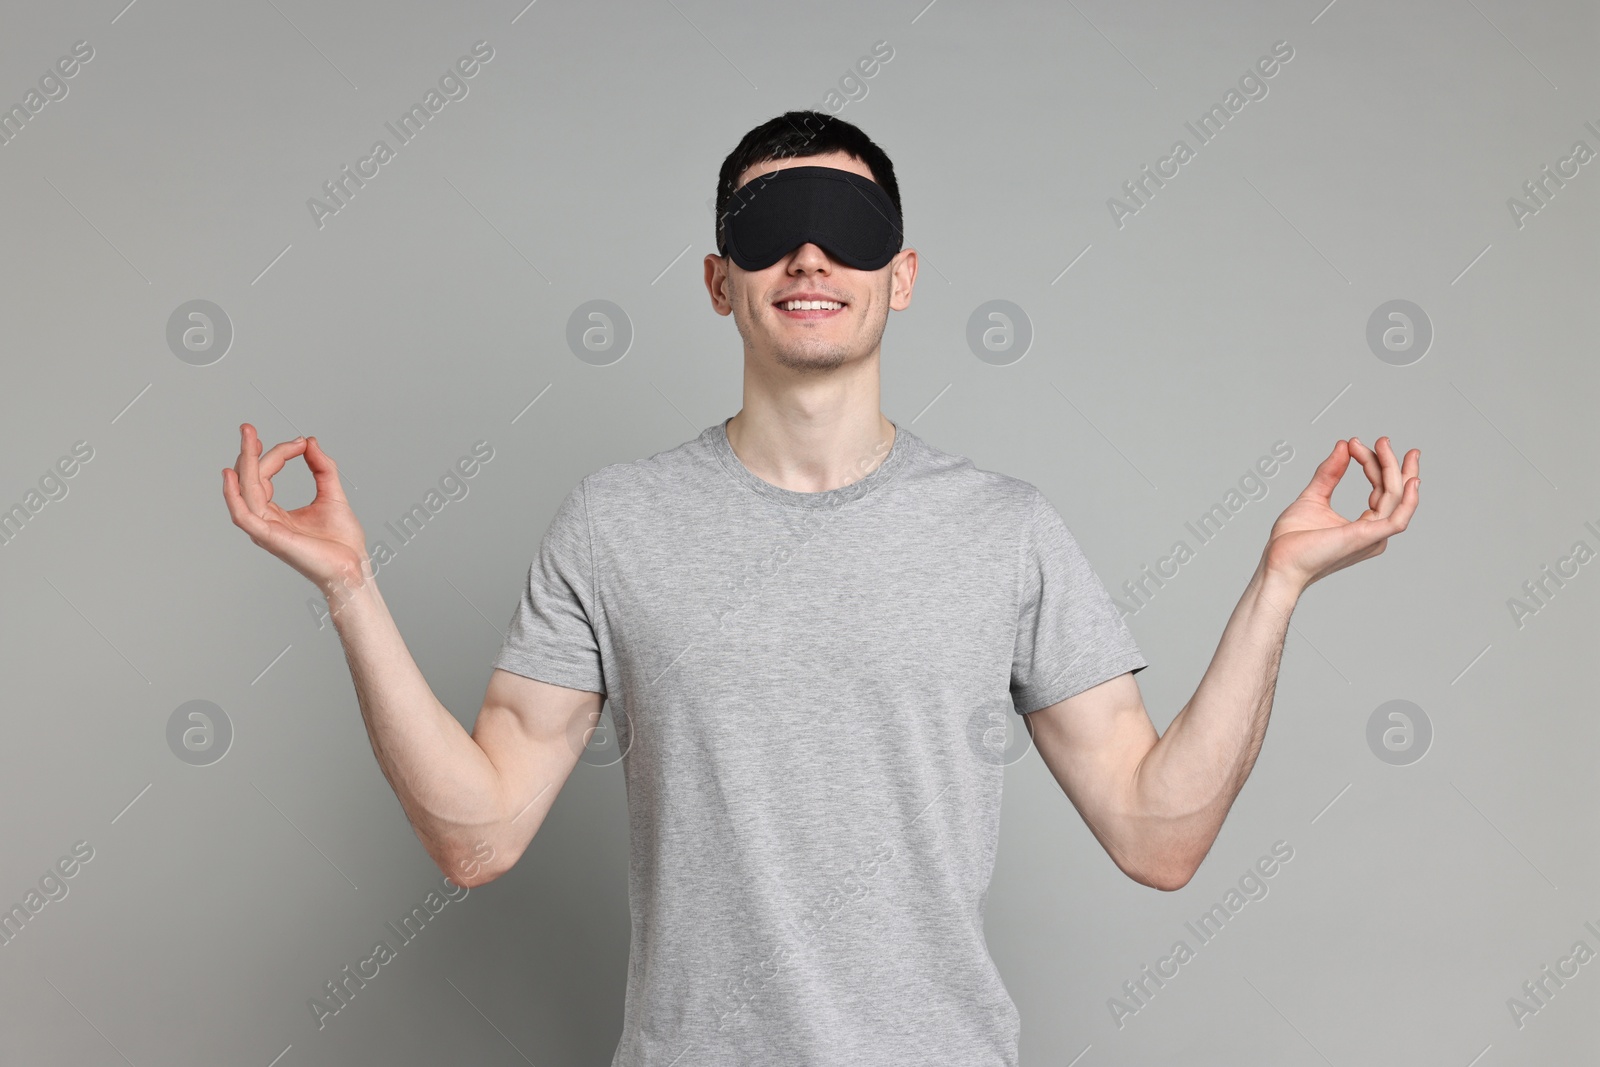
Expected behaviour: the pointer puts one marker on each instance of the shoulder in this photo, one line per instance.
(650, 481)
(1006, 501)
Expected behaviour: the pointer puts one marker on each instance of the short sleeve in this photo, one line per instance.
(552, 636)
(1070, 636)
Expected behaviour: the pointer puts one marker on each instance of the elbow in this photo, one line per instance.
(1172, 881)
(1168, 873)
(483, 876)
(1170, 863)
(471, 869)
(1168, 880)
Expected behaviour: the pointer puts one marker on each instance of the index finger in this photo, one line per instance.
(255, 469)
(1370, 464)
(273, 459)
(248, 469)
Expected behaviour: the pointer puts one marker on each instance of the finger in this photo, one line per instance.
(1369, 463)
(1395, 477)
(248, 469)
(1327, 475)
(1397, 520)
(1393, 484)
(1412, 467)
(243, 517)
(272, 461)
(324, 470)
(1400, 517)
(1361, 539)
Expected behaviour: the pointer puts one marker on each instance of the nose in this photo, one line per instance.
(809, 256)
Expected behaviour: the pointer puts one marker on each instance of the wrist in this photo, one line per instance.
(1278, 586)
(350, 587)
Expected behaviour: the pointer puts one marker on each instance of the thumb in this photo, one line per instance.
(1329, 473)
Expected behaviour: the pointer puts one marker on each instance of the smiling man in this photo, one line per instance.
(808, 622)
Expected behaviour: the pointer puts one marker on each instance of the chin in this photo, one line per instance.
(817, 355)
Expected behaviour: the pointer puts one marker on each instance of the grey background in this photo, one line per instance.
(1228, 314)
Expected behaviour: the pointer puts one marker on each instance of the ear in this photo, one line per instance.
(902, 277)
(716, 270)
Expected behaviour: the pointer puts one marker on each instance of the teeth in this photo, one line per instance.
(811, 305)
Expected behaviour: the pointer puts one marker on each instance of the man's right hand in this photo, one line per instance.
(475, 800)
(322, 540)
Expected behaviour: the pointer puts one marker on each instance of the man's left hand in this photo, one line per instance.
(1310, 540)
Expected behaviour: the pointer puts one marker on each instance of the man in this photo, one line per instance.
(805, 620)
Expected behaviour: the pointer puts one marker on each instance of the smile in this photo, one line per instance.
(809, 309)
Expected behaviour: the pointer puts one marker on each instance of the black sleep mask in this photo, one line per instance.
(850, 216)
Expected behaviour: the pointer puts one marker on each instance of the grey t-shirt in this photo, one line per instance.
(811, 688)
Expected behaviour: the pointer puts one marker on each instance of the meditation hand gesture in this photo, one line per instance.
(322, 540)
(1310, 540)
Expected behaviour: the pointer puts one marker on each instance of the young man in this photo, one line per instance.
(809, 620)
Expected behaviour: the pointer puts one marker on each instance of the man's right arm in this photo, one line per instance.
(475, 801)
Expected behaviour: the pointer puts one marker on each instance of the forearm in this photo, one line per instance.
(447, 785)
(1185, 784)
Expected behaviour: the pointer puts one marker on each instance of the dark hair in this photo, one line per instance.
(800, 133)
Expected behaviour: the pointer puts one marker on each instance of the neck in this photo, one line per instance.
(826, 436)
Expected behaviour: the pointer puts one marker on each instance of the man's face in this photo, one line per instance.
(810, 339)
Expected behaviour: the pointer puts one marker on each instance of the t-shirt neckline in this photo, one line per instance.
(844, 494)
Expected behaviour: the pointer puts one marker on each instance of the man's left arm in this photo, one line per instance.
(1156, 803)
